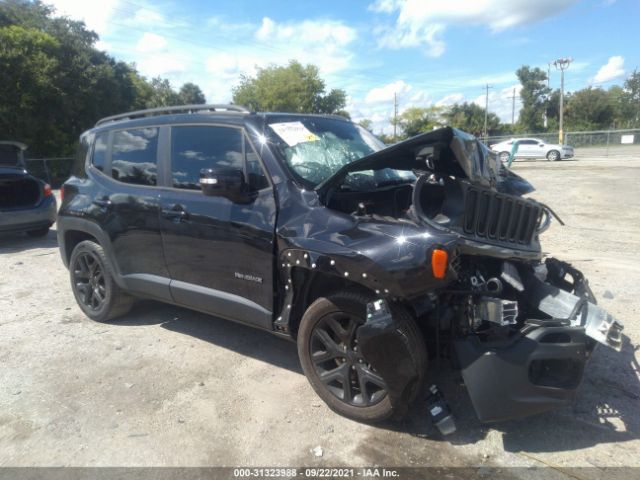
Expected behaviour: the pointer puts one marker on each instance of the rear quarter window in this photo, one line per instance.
(134, 156)
(99, 157)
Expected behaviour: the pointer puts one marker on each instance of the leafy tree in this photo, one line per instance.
(632, 99)
(416, 120)
(190, 94)
(589, 109)
(54, 83)
(292, 88)
(470, 118)
(162, 95)
(534, 96)
(366, 124)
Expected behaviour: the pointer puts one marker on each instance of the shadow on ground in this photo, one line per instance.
(605, 411)
(20, 242)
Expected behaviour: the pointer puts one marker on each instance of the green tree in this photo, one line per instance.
(366, 124)
(292, 88)
(416, 120)
(534, 94)
(470, 118)
(589, 109)
(190, 94)
(632, 100)
(54, 83)
(162, 94)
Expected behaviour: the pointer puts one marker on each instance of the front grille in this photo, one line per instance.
(500, 217)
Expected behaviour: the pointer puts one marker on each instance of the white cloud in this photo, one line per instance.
(151, 42)
(161, 65)
(450, 99)
(501, 102)
(385, 93)
(95, 15)
(420, 23)
(613, 69)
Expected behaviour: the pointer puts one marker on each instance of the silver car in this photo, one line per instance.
(532, 148)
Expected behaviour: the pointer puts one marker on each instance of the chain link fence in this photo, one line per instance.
(53, 170)
(596, 142)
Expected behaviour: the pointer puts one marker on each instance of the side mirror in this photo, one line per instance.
(223, 182)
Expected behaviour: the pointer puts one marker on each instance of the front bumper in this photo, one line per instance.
(42, 215)
(534, 373)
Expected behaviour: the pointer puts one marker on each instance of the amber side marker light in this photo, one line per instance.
(439, 260)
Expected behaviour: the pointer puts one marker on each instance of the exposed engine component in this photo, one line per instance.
(495, 310)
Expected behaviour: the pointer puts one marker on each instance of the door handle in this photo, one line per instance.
(104, 203)
(175, 213)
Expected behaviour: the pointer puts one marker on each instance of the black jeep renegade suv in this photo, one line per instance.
(373, 259)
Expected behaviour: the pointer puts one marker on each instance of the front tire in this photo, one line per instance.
(342, 377)
(553, 155)
(93, 285)
(504, 157)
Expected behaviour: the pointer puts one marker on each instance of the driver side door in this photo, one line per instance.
(219, 253)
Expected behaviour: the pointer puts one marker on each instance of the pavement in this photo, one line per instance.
(164, 386)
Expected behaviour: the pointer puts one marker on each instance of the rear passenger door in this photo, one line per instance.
(219, 254)
(126, 204)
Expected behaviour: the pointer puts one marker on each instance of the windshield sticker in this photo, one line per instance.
(293, 133)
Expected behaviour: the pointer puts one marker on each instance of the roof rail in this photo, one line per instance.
(150, 112)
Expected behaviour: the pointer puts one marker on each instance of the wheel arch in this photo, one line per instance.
(309, 285)
(72, 231)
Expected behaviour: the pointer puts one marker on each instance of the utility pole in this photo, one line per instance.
(513, 107)
(546, 110)
(395, 114)
(562, 64)
(486, 111)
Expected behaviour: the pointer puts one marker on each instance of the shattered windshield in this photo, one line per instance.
(314, 148)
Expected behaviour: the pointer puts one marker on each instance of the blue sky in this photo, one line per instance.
(429, 52)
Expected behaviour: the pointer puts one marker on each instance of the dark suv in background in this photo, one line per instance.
(374, 259)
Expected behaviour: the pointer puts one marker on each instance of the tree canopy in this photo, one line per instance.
(292, 88)
(56, 84)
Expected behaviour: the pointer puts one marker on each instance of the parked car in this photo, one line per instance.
(374, 260)
(27, 204)
(532, 148)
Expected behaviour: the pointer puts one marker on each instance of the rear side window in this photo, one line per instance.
(99, 158)
(134, 156)
(194, 148)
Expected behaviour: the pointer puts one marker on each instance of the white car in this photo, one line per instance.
(532, 148)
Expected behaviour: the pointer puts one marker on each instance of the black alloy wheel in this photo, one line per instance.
(89, 280)
(339, 364)
(334, 365)
(93, 283)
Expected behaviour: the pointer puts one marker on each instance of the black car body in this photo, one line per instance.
(27, 204)
(304, 223)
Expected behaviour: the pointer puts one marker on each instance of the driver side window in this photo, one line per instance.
(196, 147)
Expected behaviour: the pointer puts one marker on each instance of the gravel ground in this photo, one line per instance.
(168, 387)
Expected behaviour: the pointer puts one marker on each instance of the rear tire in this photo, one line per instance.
(41, 232)
(93, 285)
(367, 406)
(553, 156)
(504, 156)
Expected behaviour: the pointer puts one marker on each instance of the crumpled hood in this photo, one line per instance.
(447, 151)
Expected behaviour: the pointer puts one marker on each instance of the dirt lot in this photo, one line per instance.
(166, 386)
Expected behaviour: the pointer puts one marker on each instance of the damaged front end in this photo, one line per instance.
(523, 337)
(520, 328)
